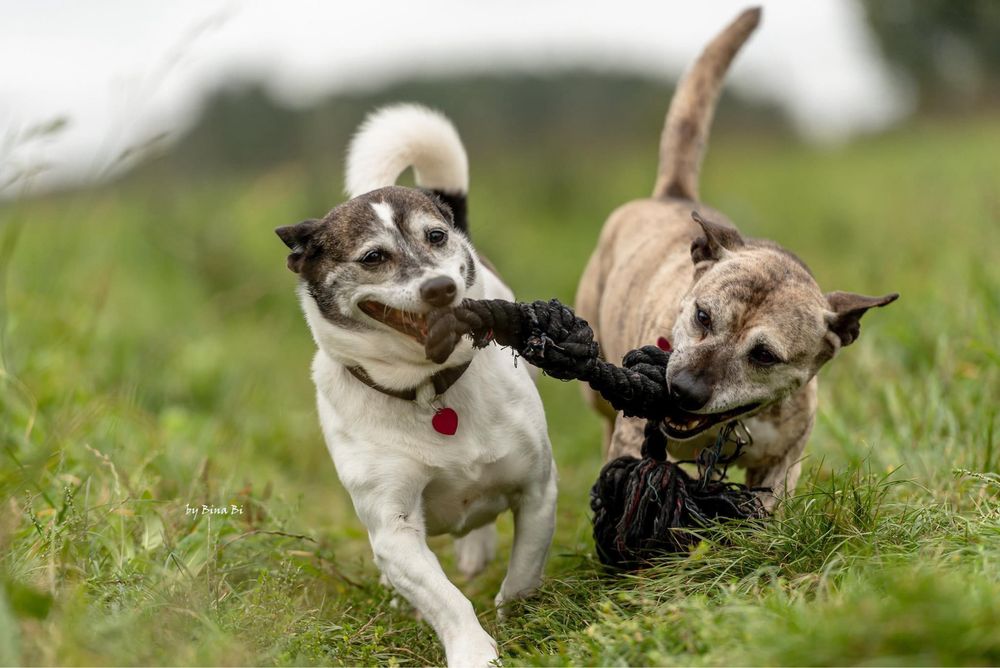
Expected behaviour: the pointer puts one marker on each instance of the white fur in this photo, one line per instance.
(406, 480)
(393, 360)
(384, 212)
(406, 135)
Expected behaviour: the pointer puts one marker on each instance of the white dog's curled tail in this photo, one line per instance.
(397, 137)
(408, 135)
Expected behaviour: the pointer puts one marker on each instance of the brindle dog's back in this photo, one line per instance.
(639, 271)
(772, 329)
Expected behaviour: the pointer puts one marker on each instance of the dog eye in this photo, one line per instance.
(761, 356)
(437, 237)
(373, 258)
(703, 318)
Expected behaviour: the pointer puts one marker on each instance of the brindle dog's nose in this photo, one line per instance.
(438, 291)
(689, 391)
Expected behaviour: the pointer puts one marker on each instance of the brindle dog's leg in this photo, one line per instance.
(626, 439)
(781, 477)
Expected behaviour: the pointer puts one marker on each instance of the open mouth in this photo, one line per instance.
(681, 425)
(411, 324)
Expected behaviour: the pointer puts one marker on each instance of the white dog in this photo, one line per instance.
(422, 448)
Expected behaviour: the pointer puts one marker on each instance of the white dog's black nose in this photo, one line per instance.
(438, 291)
(690, 392)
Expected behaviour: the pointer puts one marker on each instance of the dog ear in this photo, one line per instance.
(443, 207)
(297, 237)
(847, 307)
(716, 239)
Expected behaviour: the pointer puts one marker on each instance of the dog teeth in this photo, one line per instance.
(687, 425)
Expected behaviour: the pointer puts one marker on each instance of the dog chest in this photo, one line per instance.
(460, 508)
(500, 446)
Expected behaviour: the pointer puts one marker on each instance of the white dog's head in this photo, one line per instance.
(374, 266)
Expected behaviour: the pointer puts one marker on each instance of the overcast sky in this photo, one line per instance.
(123, 71)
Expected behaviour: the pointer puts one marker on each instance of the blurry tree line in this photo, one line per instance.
(949, 50)
(243, 127)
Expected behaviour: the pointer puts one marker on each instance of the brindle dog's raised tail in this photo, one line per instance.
(685, 132)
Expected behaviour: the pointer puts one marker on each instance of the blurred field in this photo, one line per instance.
(153, 357)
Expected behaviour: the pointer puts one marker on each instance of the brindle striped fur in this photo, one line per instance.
(654, 266)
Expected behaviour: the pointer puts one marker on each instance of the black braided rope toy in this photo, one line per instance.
(642, 507)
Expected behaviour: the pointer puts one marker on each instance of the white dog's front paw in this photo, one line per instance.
(473, 650)
(503, 600)
(476, 549)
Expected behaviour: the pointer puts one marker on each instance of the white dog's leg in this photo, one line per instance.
(476, 549)
(397, 602)
(534, 524)
(399, 543)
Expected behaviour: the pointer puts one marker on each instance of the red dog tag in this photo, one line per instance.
(445, 421)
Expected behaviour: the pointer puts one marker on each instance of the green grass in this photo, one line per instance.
(153, 357)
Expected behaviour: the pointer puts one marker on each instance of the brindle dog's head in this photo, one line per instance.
(754, 328)
(374, 266)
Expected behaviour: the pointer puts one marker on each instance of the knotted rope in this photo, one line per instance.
(642, 507)
(650, 506)
(550, 336)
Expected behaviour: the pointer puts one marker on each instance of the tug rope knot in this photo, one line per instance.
(642, 507)
(550, 336)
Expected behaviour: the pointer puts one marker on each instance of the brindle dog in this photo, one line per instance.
(750, 326)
